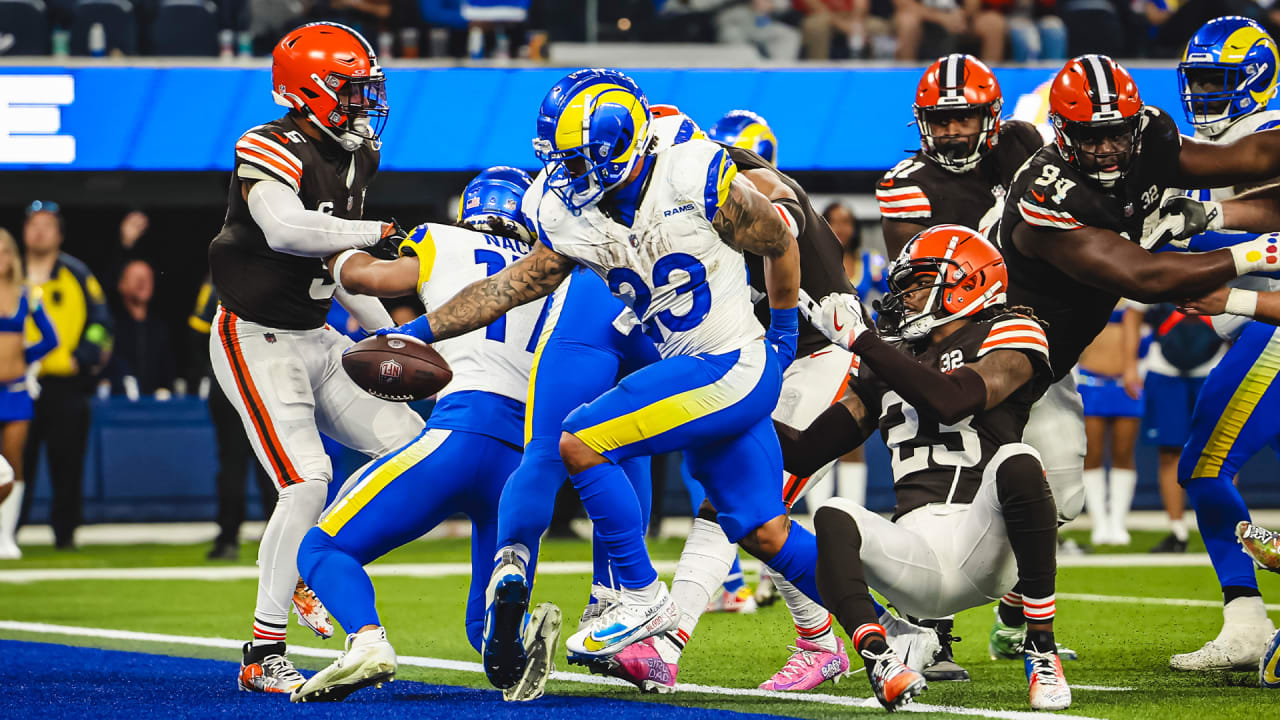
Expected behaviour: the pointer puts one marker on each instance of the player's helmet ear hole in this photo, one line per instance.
(311, 94)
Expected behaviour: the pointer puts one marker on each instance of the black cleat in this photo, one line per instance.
(944, 667)
(1170, 544)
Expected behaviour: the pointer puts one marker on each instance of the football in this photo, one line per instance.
(399, 368)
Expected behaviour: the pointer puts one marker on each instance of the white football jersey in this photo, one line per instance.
(493, 359)
(687, 286)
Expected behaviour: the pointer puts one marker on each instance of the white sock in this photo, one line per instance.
(1122, 484)
(813, 622)
(853, 481)
(1179, 529)
(704, 564)
(9, 511)
(1245, 614)
(1095, 498)
(297, 510)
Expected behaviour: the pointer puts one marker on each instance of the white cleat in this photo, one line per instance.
(541, 638)
(915, 646)
(636, 615)
(310, 611)
(1048, 685)
(369, 660)
(1239, 646)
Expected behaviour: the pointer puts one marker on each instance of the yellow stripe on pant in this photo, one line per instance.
(379, 478)
(1240, 408)
(548, 327)
(671, 412)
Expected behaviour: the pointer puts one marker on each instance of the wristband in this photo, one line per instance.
(785, 320)
(1213, 216)
(1242, 302)
(1261, 254)
(338, 262)
(418, 327)
(789, 220)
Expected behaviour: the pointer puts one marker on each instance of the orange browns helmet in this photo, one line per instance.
(958, 85)
(1096, 113)
(962, 272)
(330, 74)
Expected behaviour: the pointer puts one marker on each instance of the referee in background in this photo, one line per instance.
(75, 302)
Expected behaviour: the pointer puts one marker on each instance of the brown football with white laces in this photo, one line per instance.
(400, 368)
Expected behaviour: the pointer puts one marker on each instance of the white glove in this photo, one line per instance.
(1261, 254)
(838, 316)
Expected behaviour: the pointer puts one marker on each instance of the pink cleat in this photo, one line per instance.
(642, 666)
(810, 665)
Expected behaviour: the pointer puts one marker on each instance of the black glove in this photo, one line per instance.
(1182, 218)
(388, 247)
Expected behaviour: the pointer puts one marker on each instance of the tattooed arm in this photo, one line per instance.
(749, 222)
(483, 301)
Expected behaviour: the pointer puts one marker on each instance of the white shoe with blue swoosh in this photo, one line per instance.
(634, 616)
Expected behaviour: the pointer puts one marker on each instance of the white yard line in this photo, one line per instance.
(472, 667)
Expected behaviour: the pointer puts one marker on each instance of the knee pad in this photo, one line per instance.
(1021, 477)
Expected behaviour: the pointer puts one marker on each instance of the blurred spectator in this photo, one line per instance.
(823, 18)
(74, 301)
(24, 27)
(1188, 16)
(142, 359)
(20, 311)
(269, 20)
(235, 457)
(182, 28)
(928, 26)
(1095, 26)
(987, 23)
(365, 16)
(1035, 33)
(757, 23)
(104, 27)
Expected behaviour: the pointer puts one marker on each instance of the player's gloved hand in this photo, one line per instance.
(1260, 254)
(784, 333)
(839, 316)
(1181, 219)
(418, 327)
(388, 247)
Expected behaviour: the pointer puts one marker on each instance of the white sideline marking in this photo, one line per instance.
(472, 667)
(1135, 600)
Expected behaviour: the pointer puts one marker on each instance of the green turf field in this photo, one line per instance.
(1121, 644)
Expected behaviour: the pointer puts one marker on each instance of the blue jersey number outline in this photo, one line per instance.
(497, 330)
(696, 284)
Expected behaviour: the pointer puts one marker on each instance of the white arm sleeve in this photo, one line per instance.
(291, 228)
(367, 310)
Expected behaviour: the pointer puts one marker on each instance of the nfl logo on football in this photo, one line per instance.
(390, 371)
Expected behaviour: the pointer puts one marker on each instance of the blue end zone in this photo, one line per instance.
(53, 682)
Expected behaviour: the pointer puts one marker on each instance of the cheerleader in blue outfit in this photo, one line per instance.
(21, 317)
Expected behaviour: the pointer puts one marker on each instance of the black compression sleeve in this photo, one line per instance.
(834, 433)
(945, 397)
(797, 213)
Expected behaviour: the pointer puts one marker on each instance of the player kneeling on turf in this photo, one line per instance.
(975, 518)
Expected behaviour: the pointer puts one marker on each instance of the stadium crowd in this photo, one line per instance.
(779, 30)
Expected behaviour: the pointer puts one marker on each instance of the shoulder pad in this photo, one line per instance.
(266, 152)
(900, 194)
(1015, 332)
(1047, 192)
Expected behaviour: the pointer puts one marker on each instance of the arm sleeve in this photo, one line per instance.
(48, 334)
(945, 397)
(368, 311)
(834, 433)
(94, 348)
(291, 228)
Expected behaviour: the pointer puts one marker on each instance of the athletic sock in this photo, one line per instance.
(1030, 520)
(1095, 499)
(611, 503)
(1122, 482)
(529, 497)
(9, 511)
(813, 622)
(297, 509)
(1041, 641)
(735, 580)
(704, 563)
(797, 560)
(1010, 610)
(870, 638)
(1179, 529)
(1219, 508)
(841, 575)
(1039, 610)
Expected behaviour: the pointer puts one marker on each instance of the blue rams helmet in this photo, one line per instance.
(1228, 71)
(491, 203)
(745, 129)
(593, 127)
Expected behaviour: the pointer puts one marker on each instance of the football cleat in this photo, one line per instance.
(1260, 544)
(641, 665)
(310, 611)
(743, 601)
(914, 645)
(1049, 689)
(268, 670)
(809, 666)
(1169, 544)
(541, 636)
(944, 667)
(629, 620)
(895, 684)
(1005, 642)
(505, 614)
(766, 592)
(1240, 644)
(369, 660)
(1269, 665)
